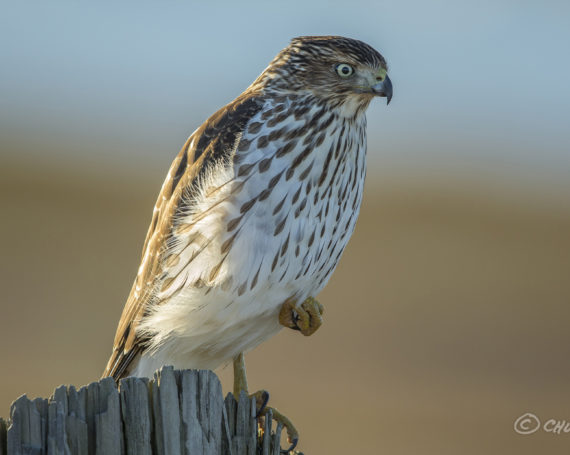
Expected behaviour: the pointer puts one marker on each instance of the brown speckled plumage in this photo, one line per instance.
(256, 210)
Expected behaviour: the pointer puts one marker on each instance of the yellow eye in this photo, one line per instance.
(344, 70)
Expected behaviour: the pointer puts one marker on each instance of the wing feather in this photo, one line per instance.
(213, 141)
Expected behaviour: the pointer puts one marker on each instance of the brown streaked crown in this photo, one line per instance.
(334, 46)
(308, 64)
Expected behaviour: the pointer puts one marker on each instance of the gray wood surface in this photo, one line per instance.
(175, 413)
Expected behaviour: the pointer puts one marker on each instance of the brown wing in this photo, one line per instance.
(214, 140)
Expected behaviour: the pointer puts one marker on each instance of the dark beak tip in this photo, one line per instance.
(389, 90)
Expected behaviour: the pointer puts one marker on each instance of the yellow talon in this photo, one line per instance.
(292, 433)
(306, 318)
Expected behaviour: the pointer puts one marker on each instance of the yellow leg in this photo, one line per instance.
(240, 376)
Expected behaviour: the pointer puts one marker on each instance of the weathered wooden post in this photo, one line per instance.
(175, 413)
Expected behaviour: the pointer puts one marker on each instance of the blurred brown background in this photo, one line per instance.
(447, 317)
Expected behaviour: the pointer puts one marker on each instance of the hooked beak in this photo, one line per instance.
(384, 89)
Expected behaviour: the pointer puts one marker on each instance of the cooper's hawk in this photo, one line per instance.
(254, 214)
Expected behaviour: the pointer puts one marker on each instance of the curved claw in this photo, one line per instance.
(291, 447)
(261, 399)
(292, 433)
(306, 318)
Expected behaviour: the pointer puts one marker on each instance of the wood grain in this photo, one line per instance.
(175, 413)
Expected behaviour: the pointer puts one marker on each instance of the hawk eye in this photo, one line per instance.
(344, 70)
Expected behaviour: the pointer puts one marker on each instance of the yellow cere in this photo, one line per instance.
(381, 73)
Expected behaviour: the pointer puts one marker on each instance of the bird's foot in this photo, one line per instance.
(306, 318)
(262, 410)
(261, 399)
(274, 414)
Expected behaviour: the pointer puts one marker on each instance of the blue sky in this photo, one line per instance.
(475, 83)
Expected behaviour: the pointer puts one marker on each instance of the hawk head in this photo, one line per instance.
(332, 68)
